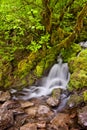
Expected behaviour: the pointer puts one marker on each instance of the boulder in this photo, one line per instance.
(78, 69)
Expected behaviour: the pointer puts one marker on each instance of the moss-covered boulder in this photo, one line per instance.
(78, 80)
(75, 100)
(78, 69)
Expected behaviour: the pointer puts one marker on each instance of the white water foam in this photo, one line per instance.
(58, 77)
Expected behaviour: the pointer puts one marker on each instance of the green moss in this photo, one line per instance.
(70, 52)
(85, 95)
(56, 93)
(39, 69)
(78, 80)
(23, 68)
(79, 63)
(78, 69)
(75, 100)
(7, 83)
(50, 59)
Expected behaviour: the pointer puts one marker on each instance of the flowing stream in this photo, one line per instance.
(58, 77)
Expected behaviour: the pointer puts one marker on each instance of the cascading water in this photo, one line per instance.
(58, 77)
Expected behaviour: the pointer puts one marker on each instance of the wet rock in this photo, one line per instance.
(53, 102)
(31, 111)
(26, 104)
(29, 126)
(11, 104)
(4, 96)
(61, 121)
(44, 111)
(56, 93)
(6, 119)
(82, 116)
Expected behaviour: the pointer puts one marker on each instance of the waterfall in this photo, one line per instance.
(58, 77)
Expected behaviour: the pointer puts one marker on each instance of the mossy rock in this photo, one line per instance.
(78, 69)
(78, 80)
(79, 62)
(56, 93)
(75, 100)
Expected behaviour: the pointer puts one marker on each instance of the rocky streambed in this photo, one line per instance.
(41, 113)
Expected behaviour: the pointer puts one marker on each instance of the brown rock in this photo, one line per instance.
(25, 104)
(31, 111)
(82, 116)
(4, 96)
(44, 111)
(17, 111)
(29, 126)
(6, 119)
(11, 104)
(61, 120)
(53, 102)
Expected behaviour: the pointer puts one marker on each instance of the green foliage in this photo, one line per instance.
(18, 20)
(34, 46)
(70, 52)
(22, 28)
